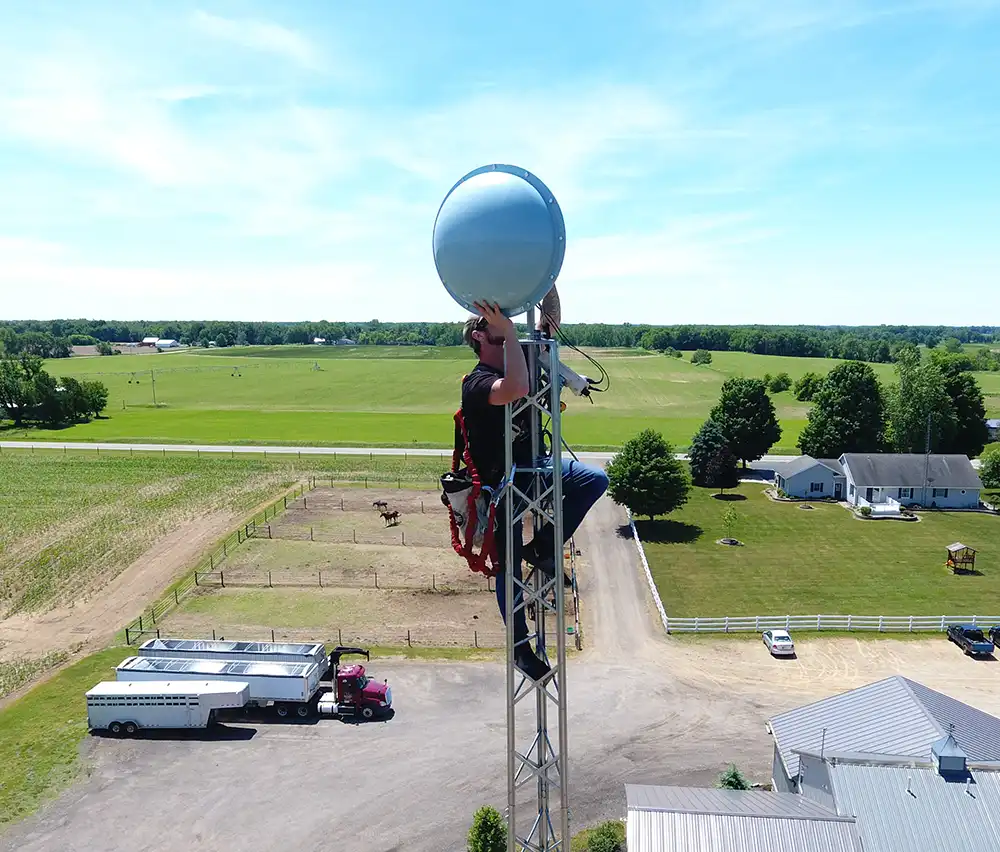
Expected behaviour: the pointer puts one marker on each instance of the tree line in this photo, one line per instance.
(52, 338)
(29, 395)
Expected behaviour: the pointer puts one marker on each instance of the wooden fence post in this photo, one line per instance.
(421, 507)
(268, 530)
(340, 637)
(225, 551)
(402, 537)
(311, 534)
(475, 638)
(408, 643)
(305, 502)
(376, 579)
(272, 634)
(321, 579)
(196, 578)
(140, 624)
(285, 498)
(269, 581)
(213, 634)
(222, 578)
(354, 535)
(152, 614)
(434, 582)
(176, 600)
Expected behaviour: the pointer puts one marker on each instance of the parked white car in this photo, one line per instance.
(779, 642)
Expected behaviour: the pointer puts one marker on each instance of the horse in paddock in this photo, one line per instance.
(380, 504)
(390, 516)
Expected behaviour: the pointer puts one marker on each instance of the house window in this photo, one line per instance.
(905, 494)
(940, 492)
(815, 486)
(852, 489)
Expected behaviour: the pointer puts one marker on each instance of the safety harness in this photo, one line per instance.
(471, 506)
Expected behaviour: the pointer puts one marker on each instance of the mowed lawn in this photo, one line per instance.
(401, 396)
(822, 561)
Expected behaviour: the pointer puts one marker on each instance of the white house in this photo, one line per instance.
(167, 344)
(993, 428)
(811, 478)
(885, 481)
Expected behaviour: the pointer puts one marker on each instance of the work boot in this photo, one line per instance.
(528, 663)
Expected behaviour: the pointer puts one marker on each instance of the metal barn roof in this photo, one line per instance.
(906, 470)
(222, 645)
(694, 819)
(894, 716)
(934, 813)
(165, 687)
(250, 668)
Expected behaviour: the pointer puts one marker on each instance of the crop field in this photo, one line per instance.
(330, 568)
(817, 562)
(71, 523)
(400, 396)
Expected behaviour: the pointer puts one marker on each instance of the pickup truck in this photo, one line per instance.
(970, 639)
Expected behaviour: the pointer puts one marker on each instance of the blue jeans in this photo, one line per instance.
(582, 486)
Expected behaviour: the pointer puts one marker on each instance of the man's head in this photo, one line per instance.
(478, 334)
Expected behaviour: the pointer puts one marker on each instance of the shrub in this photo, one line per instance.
(701, 356)
(607, 837)
(488, 832)
(732, 779)
(779, 383)
(866, 511)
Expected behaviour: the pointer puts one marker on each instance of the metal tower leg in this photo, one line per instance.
(538, 812)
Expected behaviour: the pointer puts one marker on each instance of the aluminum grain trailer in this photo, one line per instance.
(128, 706)
(221, 649)
(287, 687)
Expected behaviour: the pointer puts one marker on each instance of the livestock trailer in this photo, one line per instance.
(287, 687)
(127, 706)
(221, 649)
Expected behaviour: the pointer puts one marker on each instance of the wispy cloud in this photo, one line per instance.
(264, 36)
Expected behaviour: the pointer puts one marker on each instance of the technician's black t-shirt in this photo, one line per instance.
(484, 424)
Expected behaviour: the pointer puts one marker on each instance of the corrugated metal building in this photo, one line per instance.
(891, 717)
(694, 819)
(945, 804)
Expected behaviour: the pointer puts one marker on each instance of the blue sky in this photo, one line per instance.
(716, 162)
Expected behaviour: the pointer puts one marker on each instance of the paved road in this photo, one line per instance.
(304, 451)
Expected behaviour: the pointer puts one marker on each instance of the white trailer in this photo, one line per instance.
(221, 649)
(127, 706)
(288, 687)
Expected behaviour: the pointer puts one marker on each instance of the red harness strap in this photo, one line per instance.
(478, 562)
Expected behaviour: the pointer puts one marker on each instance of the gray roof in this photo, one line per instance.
(803, 463)
(906, 470)
(936, 813)
(993, 423)
(692, 819)
(895, 716)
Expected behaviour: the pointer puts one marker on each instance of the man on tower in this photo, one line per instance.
(485, 392)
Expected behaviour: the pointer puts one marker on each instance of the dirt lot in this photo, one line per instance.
(643, 708)
(305, 577)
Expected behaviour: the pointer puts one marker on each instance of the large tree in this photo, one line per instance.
(917, 404)
(646, 477)
(989, 472)
(807, 387)
(848, 415)
(969, 433)
(712, 463)
(747, 417)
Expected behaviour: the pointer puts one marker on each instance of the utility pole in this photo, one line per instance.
(927, 459)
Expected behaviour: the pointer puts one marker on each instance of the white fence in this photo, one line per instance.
(649, 575)
(879, 623)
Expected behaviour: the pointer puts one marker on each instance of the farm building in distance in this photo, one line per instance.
(884, 481)
(993, 428)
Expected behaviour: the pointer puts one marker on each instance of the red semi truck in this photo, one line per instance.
(354, 693)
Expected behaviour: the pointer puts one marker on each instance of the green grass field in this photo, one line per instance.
(69, 523)
(39, 749)
(399, 396)
(822, 561)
